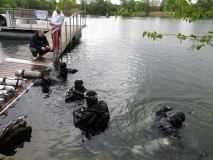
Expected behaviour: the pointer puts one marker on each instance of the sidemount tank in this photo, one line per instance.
(28, 74)
(11, 81)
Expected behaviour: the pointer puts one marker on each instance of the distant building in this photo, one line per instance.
(154, 2)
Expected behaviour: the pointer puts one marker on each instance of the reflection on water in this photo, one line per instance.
(134, 76)
(8, 47)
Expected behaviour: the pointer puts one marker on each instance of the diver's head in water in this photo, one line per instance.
(177, 118)
(91, 97)
(62, 65)
(79, 84)
(45, 75)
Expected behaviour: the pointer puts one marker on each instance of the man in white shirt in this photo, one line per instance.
(56, 23)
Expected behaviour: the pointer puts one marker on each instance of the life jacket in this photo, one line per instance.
(14, 134)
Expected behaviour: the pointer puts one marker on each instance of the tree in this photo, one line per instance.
(183, 9)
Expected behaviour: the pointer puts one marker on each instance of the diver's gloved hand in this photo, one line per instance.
(72, 71)
(166, 109)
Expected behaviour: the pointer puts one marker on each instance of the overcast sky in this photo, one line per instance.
(115, 1)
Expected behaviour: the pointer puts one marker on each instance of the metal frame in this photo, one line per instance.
(72, 24)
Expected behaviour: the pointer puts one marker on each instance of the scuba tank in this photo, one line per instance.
(11, 81)
(28, 74)
(1, 100)
(6, 129)
(19, 119)
(3, 93)
(6, 94)
(8, 88)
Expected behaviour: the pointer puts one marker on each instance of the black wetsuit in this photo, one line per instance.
(42, 82)
(45, 84)
(95, 116)
(64, 71)
(165, 123)
(75, 94)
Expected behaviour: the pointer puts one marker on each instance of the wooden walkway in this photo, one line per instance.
(22, 60)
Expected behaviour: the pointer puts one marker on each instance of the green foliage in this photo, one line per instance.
(28, 4)
(125, 12)
(200, 41)
(183, 9)
(204, 40)
(63, 3)
(37, 4)
(145, 7)
(131, 7)
(100, 7)
(153, 35)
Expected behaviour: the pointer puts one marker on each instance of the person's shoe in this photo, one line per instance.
(34, 58)
(42, 56)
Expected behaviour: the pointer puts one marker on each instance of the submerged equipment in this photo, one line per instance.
(5, 94)
(8, 88)
(28, 74)
(14, 134)
(1, 100)
(11, 81)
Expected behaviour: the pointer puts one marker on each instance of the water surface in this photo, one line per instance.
(135, 76)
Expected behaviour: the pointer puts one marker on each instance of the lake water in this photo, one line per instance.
(135, 76)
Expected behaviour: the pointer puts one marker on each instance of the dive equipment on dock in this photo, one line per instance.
(28, 74)
(11, 81)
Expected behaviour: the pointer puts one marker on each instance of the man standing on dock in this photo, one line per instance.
(56, 22)
(39, 45)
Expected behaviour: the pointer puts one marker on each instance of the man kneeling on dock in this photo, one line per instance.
(39, 45)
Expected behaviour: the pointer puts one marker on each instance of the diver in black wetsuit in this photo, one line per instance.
(45, 82)
(95, 115)
(64, 71)
(75, 93)
(169, 124)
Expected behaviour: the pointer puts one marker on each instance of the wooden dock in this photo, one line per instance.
(22, 60)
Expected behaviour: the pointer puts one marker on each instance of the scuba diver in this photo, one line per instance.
(75, 93)
(64, 71)
(45, 82)
(165, 135)
(170, 124)
(14, 134)
(94, 118)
